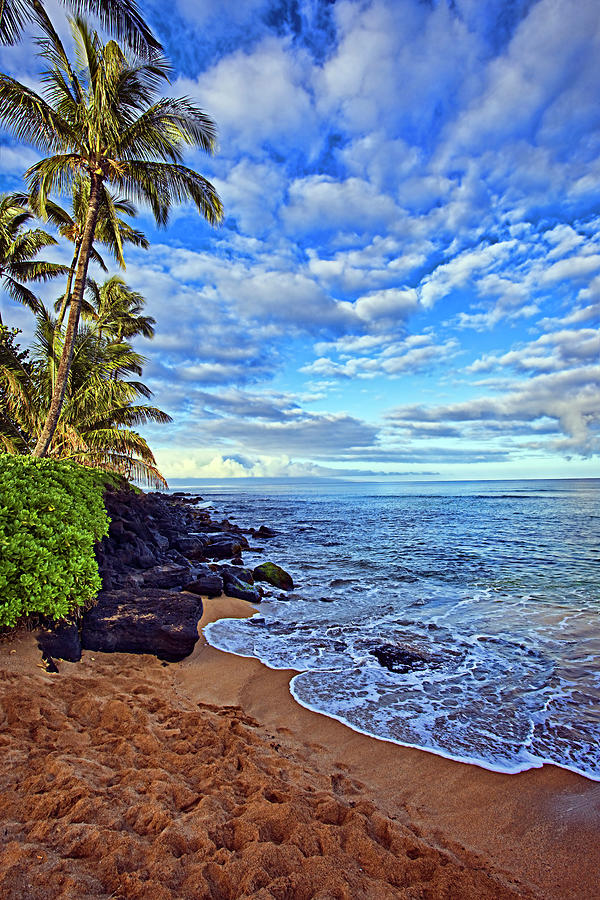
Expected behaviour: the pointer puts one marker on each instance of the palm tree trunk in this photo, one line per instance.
(67, 296)
(62, 376)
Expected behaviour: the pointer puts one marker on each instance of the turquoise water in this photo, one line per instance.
(491, 589)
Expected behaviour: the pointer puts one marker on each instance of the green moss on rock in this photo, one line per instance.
(274, 575)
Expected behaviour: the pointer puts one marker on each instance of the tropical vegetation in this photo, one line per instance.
(19, 248)
(121, 17)
(102, 120)
(51, 515)
(102, 403)
(75, 395)
(112, 140)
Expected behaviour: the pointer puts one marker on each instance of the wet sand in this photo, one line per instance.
(122, 777)
(542, 826)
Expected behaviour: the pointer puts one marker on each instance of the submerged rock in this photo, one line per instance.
(274, 575)
(399, 659)
(263, 532)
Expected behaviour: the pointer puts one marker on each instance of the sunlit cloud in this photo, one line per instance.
(409, 269)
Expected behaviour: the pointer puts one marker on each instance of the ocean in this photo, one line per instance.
(461, 618)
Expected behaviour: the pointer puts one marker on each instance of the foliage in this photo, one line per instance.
(122, 17)
(19, 248)
(101, 406)
(111, 230)
(12, 360)
(101, 119)
(116, 310)
(51, 515)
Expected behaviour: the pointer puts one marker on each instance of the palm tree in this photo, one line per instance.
(19, 249)
(104, 122)
(101, 408)
(121, 17)
(13, 365)
(111, 230)
(118, 311)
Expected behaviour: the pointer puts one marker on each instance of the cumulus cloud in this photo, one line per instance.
(258, 95)
(411, 193)
(388, 358)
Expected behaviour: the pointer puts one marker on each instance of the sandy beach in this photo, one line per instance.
(126, 777)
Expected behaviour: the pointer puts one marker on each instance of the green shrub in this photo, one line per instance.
(51, 515)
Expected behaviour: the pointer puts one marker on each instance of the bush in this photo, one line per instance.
(51, 515)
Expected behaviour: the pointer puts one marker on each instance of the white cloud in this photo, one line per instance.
(258, 96)
(319, 202)
(571, 399)
(460, 270)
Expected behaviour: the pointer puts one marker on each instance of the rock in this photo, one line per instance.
(235, 587)
(399, 659)
(232, 571)
(263, 532)
(274, 575)
(158, 622)
(170, 575)
(161, 541)
(176, 557)
(115, 529)
(61, 642)
(191, 546)
(208, 585)
(222, 549)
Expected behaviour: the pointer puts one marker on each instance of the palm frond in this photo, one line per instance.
(161, 185)
(31, 119)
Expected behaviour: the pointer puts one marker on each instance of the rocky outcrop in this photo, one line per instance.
(154, 568)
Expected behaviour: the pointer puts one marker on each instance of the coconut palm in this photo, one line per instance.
(111, 230)
(121, 17)
(118, 310)
(101, 408)
(105, 123)
(13, 366)
(19, 248)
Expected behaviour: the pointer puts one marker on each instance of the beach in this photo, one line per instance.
(128, 777)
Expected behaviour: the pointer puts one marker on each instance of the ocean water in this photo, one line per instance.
(487, 593)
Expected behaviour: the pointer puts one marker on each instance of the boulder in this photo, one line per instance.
(169, 575)
(234, 571)
(60, 641)
(158, 622)
(235, 587)
(263, 532)
(274, 575)
(207, 585)
(223, 549)
(191, 545)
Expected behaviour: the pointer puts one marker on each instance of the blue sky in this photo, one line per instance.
(408, 277)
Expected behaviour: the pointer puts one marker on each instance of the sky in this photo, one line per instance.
(407, 279)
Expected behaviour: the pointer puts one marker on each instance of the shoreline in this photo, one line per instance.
(540, 825)
(205, 778)
(436, 752)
